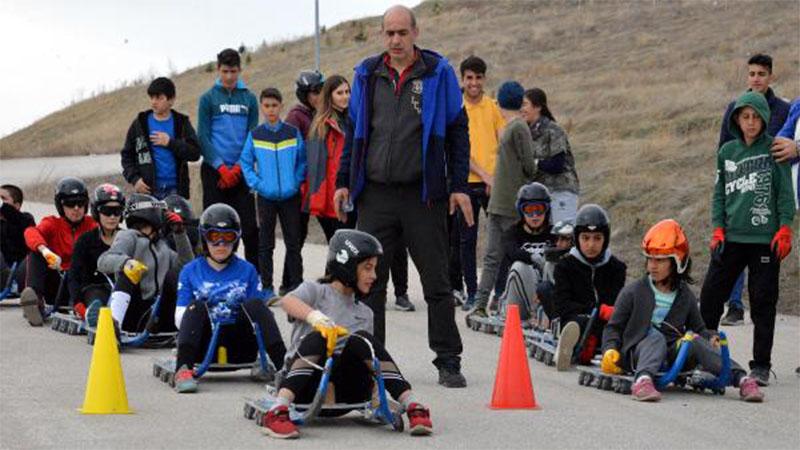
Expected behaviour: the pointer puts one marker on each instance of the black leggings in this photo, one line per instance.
(138, 313)
(239, 339)
(351, 373)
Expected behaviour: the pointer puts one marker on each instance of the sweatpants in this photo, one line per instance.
(495, 252)
(134, 311)
(396, 216)
(763, 267)
(288, 212)
(239, 198)
(49, 285)
(521, 286)
(650, 354)
(238, 339)
(351, 374)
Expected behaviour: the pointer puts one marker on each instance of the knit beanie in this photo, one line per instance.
(510, 95)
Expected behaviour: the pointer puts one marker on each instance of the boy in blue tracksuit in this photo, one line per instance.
(274, 165)
(226, 113)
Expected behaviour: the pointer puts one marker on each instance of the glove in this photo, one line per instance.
(53, 260)
(237, 171)
(227, 177)
(325, 326)
(80, 310)
(605, 312)
(134, 270)
(609, 363)
(717, 244)
(175, 222)
(781, 244)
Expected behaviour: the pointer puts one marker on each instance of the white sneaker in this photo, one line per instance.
(566, 343)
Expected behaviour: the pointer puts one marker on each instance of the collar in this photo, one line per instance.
(601, 260)
(275, 127)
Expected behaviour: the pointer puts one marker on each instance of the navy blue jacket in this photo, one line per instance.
(778, 111)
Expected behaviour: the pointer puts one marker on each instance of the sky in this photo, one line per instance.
(56, 52)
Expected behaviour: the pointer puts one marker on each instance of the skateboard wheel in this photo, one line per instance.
(171, 380)
(582, 378)
(625, 387)
(259, 416)
(54, 324)
(548, 359)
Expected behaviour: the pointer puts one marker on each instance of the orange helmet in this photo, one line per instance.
(666, 239)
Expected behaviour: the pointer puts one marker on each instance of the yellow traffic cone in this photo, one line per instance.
(105, 387)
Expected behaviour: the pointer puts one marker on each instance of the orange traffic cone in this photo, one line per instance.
(512, 384)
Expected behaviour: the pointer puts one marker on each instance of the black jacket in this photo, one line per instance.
(520, 245)
(83, 270)
(12, 233)
(137, 155)
(634, 310)
(580, 286)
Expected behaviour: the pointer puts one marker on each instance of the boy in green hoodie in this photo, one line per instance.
(752, 212)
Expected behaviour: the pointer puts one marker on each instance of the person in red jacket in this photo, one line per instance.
(50, 243)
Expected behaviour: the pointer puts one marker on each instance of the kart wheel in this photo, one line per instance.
(156, 371)
(538, 354)
(582, 378)
(171, 380)
(259, 416)
(625, 387)
(608, 384)
(548, 359)
(54, 324)
(249, 411)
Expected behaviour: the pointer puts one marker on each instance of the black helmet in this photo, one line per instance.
(144, 208)
(180, 206)
(106, 193)
(591, 217)
(220, 216)
(308, 81)
(70, 188)
(346, 249)
(533, 192)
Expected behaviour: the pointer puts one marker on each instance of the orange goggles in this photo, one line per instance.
(532, 209)
(216, 236)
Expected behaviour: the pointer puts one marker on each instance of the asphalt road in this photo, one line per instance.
(43, 376)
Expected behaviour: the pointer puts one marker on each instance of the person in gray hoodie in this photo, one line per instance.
(145, 266)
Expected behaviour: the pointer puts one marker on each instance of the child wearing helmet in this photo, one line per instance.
(182, 207)
(145, 266)
(86, 285)
(51, 244)
(13, 223)
(325, 310)
(587, 282)
(562, 242)
(220, 279)
(653, 313)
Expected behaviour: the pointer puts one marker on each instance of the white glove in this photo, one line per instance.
(317, 319)
(53, 260)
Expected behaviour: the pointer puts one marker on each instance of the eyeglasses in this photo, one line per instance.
(532, 209)
(73, 203)
(110, 210)
(217, 236)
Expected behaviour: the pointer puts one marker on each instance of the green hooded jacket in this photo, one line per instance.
(752, 193)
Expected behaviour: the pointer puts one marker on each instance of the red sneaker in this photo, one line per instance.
(419, 420)
(184, 381)
(278, 425)
(749, 391)
(645, 391)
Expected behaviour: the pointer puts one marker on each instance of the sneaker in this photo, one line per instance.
(184, 381)
(278, 425)
(419, 420)
(761, 375)
(735, 316)
(749, 391)
(258, 374)
(93, 313)
(458, 297)
(480, 311)
(566, 344)
(644, 390)
(451, 378)
(402, 303)
(469, 303)
(30, 307)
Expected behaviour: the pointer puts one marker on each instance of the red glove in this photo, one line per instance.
(605, 312)
(227, 177)
(80, 310)
(782, 242)
(175, 221)
(237, 170)
(717, 238)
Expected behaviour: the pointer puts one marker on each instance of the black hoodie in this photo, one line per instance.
(581, 285)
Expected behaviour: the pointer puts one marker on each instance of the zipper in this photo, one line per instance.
(397, 95)
(278, 169)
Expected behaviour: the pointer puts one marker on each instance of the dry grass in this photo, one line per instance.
(640, 86)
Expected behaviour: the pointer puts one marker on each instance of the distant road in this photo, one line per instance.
(27, 171)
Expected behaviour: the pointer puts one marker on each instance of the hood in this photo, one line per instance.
(755, 100)
(601, 260)
(433, 62)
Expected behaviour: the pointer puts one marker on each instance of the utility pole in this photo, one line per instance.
(316, 34)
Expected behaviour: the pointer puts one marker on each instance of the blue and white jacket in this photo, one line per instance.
(790, 131)
(445, 132)
(273, 161)
(223, 120)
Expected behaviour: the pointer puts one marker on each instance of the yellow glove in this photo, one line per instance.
(134, 270)
(325, 326)
(609, 363)
(53, 260)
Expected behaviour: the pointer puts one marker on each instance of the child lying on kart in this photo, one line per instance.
(653, 313)
(326, 310)
(220, 279)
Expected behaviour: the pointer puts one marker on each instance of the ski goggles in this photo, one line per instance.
(73, 202)
(532, 209)
(217, 236)
(109, 211)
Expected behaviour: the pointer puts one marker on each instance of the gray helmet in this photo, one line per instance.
(592, 217)
(346, 249)
(533, 192)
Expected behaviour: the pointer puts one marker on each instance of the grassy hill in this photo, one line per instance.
(640, 87)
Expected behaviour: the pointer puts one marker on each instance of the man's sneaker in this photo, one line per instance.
(735, 316)
(419, 420)
(30, 307)
(566, 344)
(761, 375)
(184, 381)
(644, 390)
(458, 297)
(749, 391)
(93, 313)
(402, 303)
(451, 378)
(469, 303)
(278, 425)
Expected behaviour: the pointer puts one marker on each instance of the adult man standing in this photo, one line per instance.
(226, 113)
(409, 157)
(759, 77)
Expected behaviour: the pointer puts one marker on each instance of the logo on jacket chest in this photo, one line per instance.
(233, 109)
(143, 151)
(416, 96)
